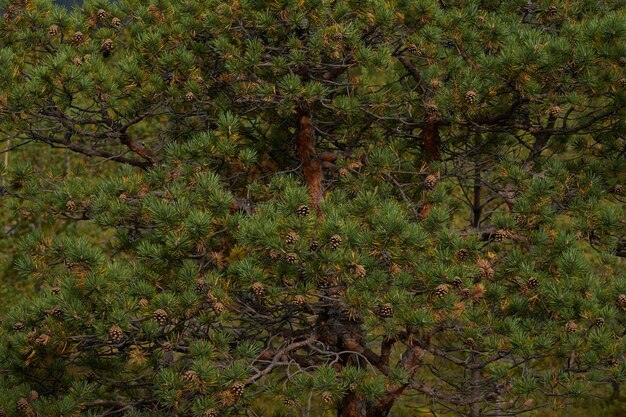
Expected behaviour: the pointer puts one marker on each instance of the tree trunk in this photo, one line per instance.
(354, 405)
(477, 206)
(311, 163)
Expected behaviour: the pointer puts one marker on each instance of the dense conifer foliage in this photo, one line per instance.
(369, 207)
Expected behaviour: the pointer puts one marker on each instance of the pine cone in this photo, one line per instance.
(327, 397)
(189, 96)
(211, 412)
(102, 14)
(500, 235)
(532, 283)
(521, 219)
(599, 321)
(555, 111)
(190, 376)
(462, 254)
(53, 30)
(55, 290)
(622, 82)
(314, 245)
(116, 22)
(431, 109)
(107, 45)
(160, 316)
(291, 238)
(143, 303)
(571, 327)
(485, 268)
(384, 310)
(79, 37)
(299, 300)
(411, 48)
(335, 241)
(78, 61)
(621, 300)
(91, 376)
(291, 258)
(116, 335)
(552, 10)
(441, 290)
(359, 270)
(470, 96)
(470, 342)
(435, 84)
(622, 61)
(237, 389)
(218, 307)
(42, 340)
(18, 327)
(23, 407)
(200, 286)
(430, 182)
(258, 289)
(618, 189)
(303, 210)
(167, 346)
(457, 282)
(57, 312)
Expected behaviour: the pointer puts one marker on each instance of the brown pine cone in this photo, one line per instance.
(441, 290)
(384, 310)
(190, 376)
(291, 258)
(160, 316)
(335, 241)
(237, 389)
(258, 289)
(430, 182)
(291, 238)
(571, 327)
(470, 96)
(116, 335)
(555, 111)
(303, 210)
(327, 397)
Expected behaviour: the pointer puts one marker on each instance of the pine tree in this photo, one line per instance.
(334, 204)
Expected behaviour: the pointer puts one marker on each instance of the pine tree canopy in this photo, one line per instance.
(364, 208)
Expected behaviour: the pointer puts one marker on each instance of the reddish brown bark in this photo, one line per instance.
(139, 149)
(311, 163)
(430, 135)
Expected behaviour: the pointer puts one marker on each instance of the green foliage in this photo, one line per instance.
(333, 204)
